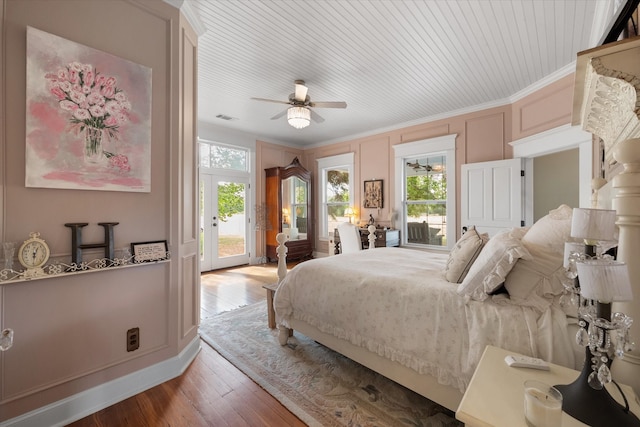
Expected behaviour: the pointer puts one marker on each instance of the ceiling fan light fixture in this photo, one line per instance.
(299, 117)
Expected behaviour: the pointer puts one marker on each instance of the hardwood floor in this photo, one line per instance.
(228, 289)
(211, 392)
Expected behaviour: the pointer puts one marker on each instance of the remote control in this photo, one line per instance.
(526, 362)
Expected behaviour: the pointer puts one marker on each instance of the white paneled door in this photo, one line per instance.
(492, 195)
(223, 222)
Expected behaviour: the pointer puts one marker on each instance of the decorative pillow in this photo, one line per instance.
(550, 232)
(465, 251)
(495, 261)
(535, 282)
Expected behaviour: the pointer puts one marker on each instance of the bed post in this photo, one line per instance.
(281, 250)
(372, 236)
(626, 202)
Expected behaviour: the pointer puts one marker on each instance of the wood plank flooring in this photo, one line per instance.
(211, 392)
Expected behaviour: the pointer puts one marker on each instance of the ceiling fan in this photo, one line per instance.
(300, 113)
(429, 168)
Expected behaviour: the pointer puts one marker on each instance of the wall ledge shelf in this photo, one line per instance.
(8, 276)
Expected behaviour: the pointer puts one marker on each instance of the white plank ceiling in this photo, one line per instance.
(394, 62)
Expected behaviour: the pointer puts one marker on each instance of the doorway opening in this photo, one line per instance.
(224, 198)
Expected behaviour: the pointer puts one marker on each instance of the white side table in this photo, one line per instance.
(495, 396)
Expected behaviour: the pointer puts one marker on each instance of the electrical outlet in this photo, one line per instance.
(133, 339)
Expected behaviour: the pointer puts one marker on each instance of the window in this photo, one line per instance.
(335, 192)
(425, 192)
(214, 155)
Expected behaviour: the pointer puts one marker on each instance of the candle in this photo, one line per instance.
(542, 405)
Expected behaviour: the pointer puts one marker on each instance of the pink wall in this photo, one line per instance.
(70, 330)
(545, 109)
(481, 136)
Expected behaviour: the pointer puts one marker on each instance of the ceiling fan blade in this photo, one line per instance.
(277, 116)
(300, 93)
(271, 100)
(338, 104)
(316, 117)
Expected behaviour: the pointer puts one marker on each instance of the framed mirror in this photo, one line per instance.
(288, 199)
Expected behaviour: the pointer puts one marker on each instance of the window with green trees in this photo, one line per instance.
(335, 191)
(338, 196)
(231, 199)
(426, 200)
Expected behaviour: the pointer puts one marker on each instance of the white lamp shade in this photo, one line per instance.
(299, 117)
(593, 224)
(604, 280)
(569, 248)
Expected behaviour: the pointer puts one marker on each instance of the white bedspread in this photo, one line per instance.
(395, 302)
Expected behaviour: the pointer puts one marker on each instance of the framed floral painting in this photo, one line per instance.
(88, 121)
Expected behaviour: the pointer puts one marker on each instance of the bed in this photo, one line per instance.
(530, 319)
(424, 318)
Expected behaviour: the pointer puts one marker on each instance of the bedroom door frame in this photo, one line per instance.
(561, 138)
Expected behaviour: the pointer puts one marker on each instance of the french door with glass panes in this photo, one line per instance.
(224, 217)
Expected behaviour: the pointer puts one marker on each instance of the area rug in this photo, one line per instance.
(320, 386)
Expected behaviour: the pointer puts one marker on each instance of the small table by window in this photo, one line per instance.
(495, 395)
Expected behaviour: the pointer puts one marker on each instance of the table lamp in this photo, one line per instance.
(348, 212)
(600, 281)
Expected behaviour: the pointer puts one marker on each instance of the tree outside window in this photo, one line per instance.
(426, 208)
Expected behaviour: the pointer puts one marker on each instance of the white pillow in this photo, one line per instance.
(550, 232)
(495, 261)
(461, 257)
(535, 282)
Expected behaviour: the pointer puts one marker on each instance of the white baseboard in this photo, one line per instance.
(80, 405)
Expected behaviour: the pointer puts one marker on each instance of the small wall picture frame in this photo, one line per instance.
(150, 251)
(373, 194)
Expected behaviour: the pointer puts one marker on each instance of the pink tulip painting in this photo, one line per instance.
(88, 118)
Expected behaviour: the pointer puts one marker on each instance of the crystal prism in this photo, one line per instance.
(629, 346)
(6, 339)
(582, 337)
(604, 374)
(593, 381)
(620, 347)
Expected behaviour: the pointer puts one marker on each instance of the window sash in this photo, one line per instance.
(342, 162)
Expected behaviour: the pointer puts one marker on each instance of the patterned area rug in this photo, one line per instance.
(318, 385)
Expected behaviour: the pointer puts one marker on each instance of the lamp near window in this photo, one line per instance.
(600, 281)
(299, 117)
(348, 212)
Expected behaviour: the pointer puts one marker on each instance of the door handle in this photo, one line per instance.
(214, 223)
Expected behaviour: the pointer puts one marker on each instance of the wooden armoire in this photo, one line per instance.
(288, 203)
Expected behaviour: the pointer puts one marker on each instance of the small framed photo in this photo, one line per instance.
(373, 194)
(150, 251)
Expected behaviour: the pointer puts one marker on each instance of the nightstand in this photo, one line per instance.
(495, 395)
